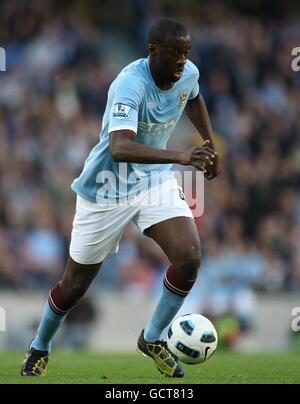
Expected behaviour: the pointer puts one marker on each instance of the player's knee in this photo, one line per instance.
(188, 262)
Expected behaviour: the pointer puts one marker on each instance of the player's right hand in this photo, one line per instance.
(201, 157)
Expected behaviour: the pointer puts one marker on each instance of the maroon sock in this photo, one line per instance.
(58, 303)
(176, 284)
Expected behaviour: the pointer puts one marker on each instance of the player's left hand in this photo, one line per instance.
(212, 170)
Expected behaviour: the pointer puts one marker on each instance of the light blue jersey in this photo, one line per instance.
(137, 104)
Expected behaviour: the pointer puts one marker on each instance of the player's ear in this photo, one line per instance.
(152, 48)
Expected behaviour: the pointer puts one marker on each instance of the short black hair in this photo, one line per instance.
(165, 30)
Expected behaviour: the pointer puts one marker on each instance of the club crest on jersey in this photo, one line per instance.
(121, 111)
(183, 97)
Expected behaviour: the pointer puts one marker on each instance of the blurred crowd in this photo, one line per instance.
(60, 62)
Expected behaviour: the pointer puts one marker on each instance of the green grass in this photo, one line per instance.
(82, 367)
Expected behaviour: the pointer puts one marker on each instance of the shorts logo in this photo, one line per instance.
(121, 111)
(181, 194)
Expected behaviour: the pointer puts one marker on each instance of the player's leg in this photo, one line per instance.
(178, 237)
(96, 232)
(168, 220)
(62, 298)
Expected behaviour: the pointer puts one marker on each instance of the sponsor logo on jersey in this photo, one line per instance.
(150, 128)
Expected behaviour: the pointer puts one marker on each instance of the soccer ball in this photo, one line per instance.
(192, 338)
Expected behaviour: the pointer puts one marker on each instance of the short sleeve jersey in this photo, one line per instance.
(135, 103)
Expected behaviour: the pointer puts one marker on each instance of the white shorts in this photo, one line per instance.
(98, 228)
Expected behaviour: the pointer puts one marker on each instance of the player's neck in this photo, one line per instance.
(158, 78)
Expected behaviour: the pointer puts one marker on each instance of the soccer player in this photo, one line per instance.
(130, 165)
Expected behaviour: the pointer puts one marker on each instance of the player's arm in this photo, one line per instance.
(124, 148)
(197, 113)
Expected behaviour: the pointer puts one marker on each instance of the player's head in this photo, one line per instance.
(169, 46)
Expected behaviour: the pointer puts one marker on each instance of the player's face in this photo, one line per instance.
(172, 58)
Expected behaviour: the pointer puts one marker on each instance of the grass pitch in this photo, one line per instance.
(95, 368)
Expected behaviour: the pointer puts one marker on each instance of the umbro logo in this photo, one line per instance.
(151, 104)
